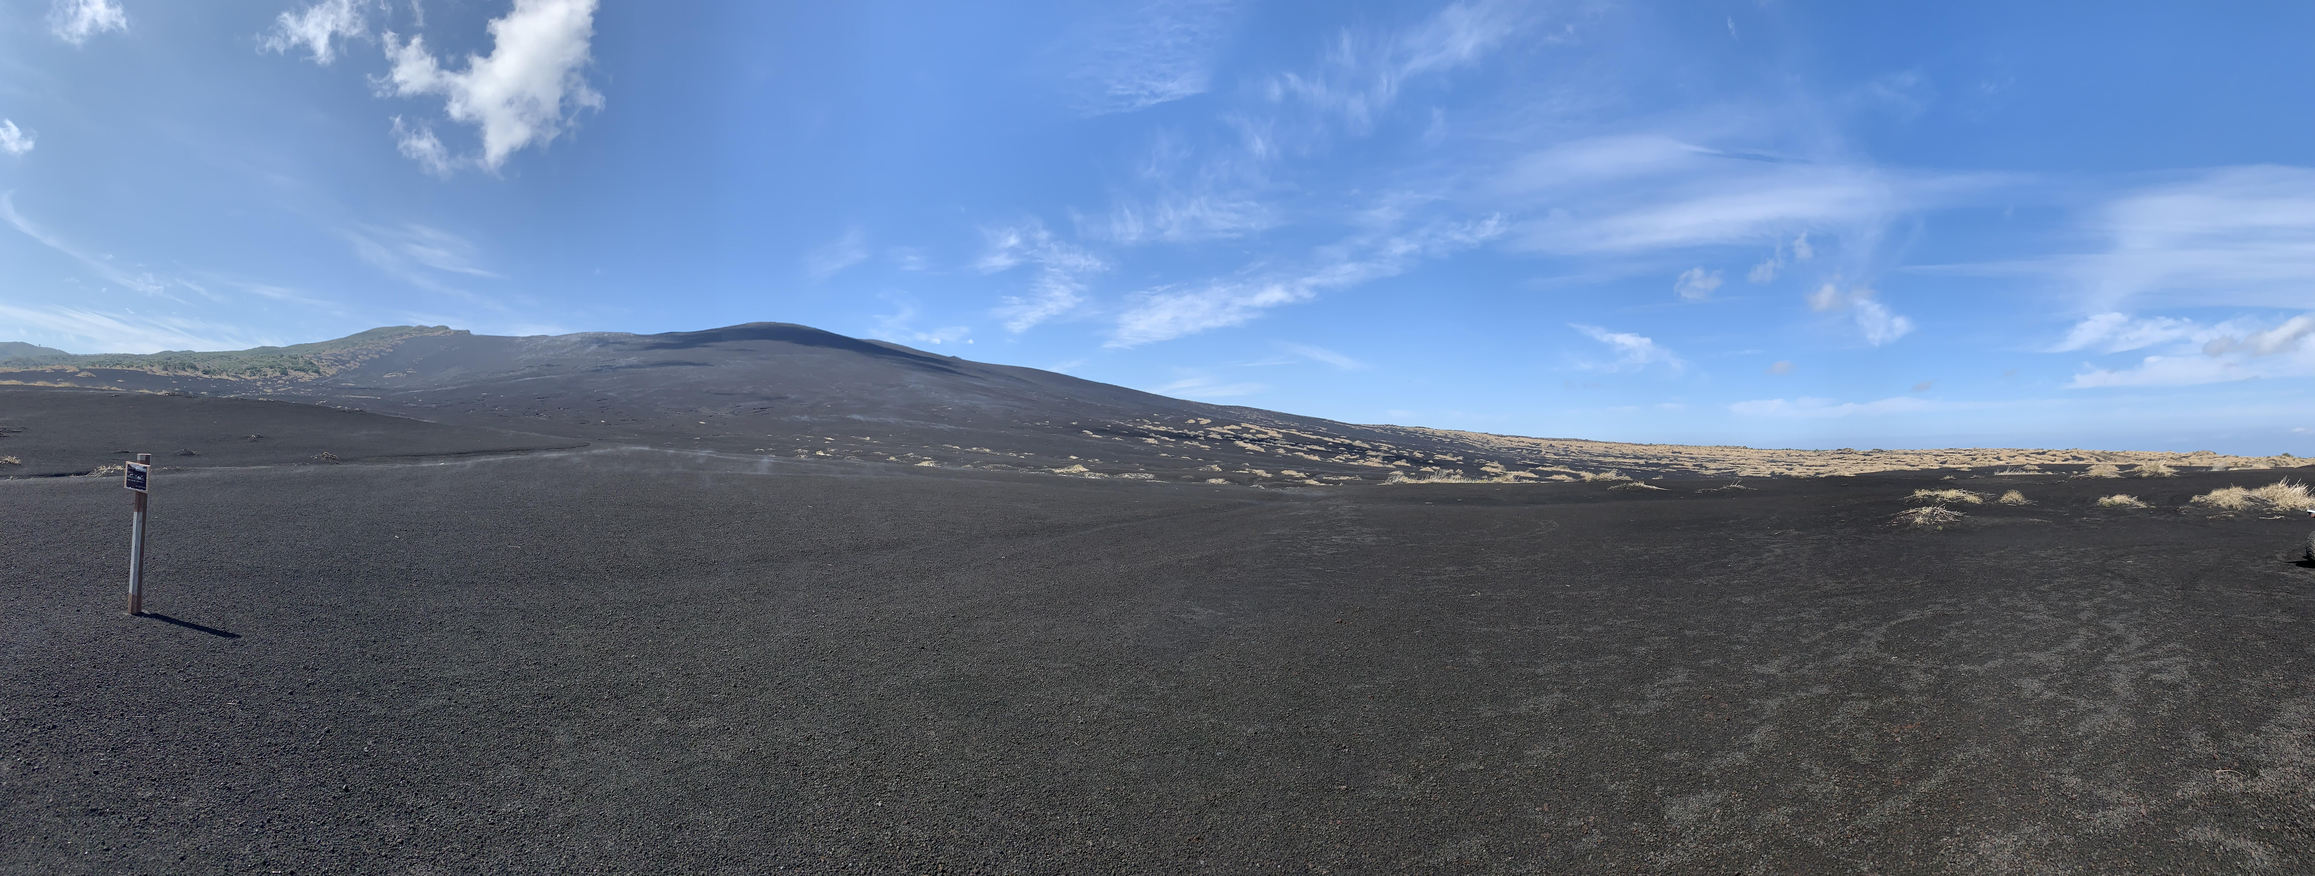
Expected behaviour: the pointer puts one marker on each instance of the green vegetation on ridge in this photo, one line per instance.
(300, 361)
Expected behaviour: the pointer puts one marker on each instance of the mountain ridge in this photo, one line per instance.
(784, 389)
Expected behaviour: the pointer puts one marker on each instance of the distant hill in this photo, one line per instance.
(300, 361)
(18, 352)
(791, 390)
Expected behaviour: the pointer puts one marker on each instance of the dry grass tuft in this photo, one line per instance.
(2014, 497)
(1635, 485)
(110, 468)
(2280, 496)
(1073, 469)
(2284, 495)
(2224, 499)
(2121, 500)
(1941, 497)
(1610, 476)
(10, 460)
(2153, 470)
(2101, 470)
(1928, 517)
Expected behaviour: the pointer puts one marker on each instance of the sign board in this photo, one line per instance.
(137, 476)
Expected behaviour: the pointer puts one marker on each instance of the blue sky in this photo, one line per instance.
(1767, 223)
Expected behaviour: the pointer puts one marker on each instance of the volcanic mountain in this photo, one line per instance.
(793, 391)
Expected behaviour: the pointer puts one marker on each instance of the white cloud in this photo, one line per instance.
(421, 256)
(1827, 297)
(2291, 336)
(1360, 76)
(118, 331)
(2226, 352)
(1633, 352)
(1171, 312)
(418, 143)
(1799, 251)
(100, 265)
(1062, 273)
(1157, 53)
(13, 140)
(74, 21)
(1879, 325)
(1323, 356)
(527, 90)
(899, 326)
(1821, 408)
(1199, 386)
(1184, 217)
(2117, 332)
(836, 255)
(1874, 320)
(1696, 284)
(1630, 194)
(318, 28)
(2239, 236)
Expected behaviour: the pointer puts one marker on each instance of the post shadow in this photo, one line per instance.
(225, 634)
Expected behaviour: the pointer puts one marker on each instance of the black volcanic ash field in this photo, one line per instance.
(622, 660)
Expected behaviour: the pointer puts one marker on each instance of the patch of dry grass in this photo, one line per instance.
(1928, 517)
(1610, 476)
(2280, 496)
(2121, 500)
(110, 468)
(2014, 497)
(2101, 470)
(2153, 470)
(1635, 485)
(1946, 496)
(10, 460)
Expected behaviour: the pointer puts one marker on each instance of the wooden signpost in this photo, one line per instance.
(139, 480)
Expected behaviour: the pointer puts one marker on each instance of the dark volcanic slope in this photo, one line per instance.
(641, 661)
(47, 431)
(787, 390)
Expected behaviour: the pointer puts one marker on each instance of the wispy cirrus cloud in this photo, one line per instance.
(1150, 54)
(103, 266)
(1666, 198)
(119, 331)
(422, 256)
(2234, 236)
(1322, 355)
(74, 21)
(1058, 285)
(1170, 312)
(526, 91)
(1200, 386)
(900, 326)
(833, 257)
(1361, 75)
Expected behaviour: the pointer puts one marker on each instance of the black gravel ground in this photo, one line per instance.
(52, 432)
(641, 661)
